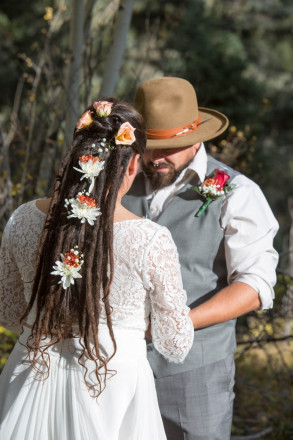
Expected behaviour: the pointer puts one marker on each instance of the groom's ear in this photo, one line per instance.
(133, 165)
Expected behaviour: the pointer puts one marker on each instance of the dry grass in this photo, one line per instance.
(264, 392)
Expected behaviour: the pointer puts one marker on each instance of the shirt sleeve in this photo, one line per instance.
(12, 300)
(250, 228)
(172, 329)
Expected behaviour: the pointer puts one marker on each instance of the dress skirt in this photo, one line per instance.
(61, 407)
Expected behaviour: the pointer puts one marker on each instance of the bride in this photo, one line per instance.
(86, 276)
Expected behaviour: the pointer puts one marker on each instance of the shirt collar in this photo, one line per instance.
(199, 163)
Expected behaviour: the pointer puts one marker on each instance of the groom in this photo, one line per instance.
(226, 253)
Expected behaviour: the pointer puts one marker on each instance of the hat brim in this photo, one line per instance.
(212, 125)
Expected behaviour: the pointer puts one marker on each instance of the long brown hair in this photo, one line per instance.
(59, 311)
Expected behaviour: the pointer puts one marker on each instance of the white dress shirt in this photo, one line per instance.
(248, 223)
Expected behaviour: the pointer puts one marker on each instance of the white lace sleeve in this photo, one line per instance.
(172, 329)
(12, 300)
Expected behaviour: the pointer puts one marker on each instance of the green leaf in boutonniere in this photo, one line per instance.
(213, 188)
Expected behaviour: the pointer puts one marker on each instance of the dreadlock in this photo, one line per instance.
(62, 313)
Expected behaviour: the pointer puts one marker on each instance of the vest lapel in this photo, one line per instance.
(186, 193)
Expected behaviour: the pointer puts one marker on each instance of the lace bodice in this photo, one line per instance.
(147, 281)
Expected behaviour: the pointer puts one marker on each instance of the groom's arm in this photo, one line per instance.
(229, 303)
(251, 260)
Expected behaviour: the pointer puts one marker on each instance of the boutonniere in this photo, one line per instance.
(212, 188)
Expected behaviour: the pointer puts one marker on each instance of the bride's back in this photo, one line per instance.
(133, 241)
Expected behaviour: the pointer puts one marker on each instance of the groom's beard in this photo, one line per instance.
(160, 180)
(157, 179)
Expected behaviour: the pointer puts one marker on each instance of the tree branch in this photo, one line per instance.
(252, 436)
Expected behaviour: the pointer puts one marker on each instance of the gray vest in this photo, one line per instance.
(200, 243)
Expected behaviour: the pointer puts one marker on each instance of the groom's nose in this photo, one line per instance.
(154, 155)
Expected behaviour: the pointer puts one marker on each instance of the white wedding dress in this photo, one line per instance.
(147, 285)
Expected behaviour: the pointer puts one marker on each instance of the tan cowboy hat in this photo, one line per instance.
(172, 116)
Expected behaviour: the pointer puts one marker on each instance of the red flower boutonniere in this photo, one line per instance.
(212, 188)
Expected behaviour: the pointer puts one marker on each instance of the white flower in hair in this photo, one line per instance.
(69, 267)
(83, 207)
(91, 167)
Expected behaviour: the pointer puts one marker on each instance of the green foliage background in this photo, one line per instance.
(238, 54)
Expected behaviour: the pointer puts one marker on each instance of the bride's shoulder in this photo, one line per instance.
(28, 213)
(145, 223)
(150, 229)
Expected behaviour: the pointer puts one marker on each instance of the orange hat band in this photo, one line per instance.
(174, 132)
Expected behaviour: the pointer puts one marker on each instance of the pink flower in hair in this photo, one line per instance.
(103, 108)
(125, 135)
(85, 120)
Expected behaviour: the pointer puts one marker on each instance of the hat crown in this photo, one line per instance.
(172, 116)
(166, 103)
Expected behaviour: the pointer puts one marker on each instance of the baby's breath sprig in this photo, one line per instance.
(102, 147)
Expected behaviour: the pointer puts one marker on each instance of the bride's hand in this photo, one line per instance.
(148, 333)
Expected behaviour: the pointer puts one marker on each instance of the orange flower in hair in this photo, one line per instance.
(85, 120)
(125, 135)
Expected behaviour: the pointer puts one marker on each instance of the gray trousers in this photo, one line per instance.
(198, 404)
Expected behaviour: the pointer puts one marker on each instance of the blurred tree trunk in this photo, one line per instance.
(38, 132)
(74, 74)
(49, 159)
(114, 59)
(88, 14)
(6, 194)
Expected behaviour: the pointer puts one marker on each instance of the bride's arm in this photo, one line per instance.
(171, 328)
(12, 300)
